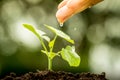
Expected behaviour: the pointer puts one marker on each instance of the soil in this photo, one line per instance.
(52, 75)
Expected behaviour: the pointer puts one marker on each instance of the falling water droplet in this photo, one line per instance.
(61, 24)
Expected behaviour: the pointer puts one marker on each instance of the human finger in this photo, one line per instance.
(63, 14)
(80, 5)
(69, 9)
(72, 7)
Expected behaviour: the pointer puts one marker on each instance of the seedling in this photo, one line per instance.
(68, 53)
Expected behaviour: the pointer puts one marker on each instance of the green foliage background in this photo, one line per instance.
(96, 32)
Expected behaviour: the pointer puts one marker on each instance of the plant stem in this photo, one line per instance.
(53, 43)
(49, 58)
(41, 40)
(49, 64)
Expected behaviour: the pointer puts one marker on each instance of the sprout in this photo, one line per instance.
(68, 53)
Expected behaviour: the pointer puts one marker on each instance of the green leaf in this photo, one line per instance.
(71, 56)
(38, 33)
(51, 43)
(61, 34)
(31, 28)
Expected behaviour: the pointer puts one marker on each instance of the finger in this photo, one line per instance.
(68, 10)
(80, 5)
(72, 7)
(63, 3)
(63, 14)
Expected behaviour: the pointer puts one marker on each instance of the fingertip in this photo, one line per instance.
(63, 14)
(59, 16)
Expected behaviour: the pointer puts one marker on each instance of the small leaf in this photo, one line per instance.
(51, 43)
(31, 28)
(61, 34)
(38, 33)
(70, 56)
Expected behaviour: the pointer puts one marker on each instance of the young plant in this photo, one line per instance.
(67, 53)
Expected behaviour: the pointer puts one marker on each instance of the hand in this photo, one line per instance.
(67, 8)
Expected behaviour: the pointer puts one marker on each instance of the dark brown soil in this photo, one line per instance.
(51, 75)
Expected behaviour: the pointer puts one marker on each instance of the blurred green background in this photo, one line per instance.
(96, 32)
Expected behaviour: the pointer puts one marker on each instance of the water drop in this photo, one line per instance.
(61, 24)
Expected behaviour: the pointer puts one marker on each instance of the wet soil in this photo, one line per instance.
(52, 75)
